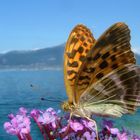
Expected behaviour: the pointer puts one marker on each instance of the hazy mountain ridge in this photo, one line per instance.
(36, 59)
(41, 58)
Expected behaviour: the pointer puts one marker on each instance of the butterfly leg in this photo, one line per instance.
(68, 126)
(70, 119)
(69, 122)
(96, 129)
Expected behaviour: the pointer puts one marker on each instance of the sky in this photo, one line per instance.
(32, 24)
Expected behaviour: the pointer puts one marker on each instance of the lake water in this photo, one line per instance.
(16, 91)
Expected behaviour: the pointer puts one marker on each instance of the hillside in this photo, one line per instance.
(42, 58)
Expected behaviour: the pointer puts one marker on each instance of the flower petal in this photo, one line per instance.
(76, 126)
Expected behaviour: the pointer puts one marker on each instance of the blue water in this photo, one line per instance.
(15, 92)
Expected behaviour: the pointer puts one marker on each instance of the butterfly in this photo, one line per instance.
(101, 76)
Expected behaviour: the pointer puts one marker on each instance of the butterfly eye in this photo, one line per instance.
(65, 106)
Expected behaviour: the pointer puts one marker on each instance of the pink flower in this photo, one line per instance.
(51, 111)
(89, 136)
(11, 116)
(122, 136)
(88, 124)
(63, 129)
(48, 117)
(76, 126)
(19, 125)
(22, 111)
(86, 135)
(9, 128)
(113, 131)
(53, 127)
(35, 113)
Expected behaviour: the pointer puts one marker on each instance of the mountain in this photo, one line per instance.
(41, 58)
(36, 59)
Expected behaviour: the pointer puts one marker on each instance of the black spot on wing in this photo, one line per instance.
(86, 51)
(89, 40)
(113, 58)
(103, 65)
(82, 38)
(82, 58)
(72, 54)
(73, 64)
(80, 49)
(83, 83)
(74, 40)
(99, 75)
(115, 49)
(70, 72)
(114, 66)
(89, 58)
(96, 56)
(104, 56)
(84, 77)
(85, 44)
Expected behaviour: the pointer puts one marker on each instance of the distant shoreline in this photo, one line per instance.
(31, 69)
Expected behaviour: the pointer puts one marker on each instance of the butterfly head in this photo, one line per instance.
(66, 106)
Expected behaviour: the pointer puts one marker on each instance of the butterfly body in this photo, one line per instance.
(100, 110)
(76, 110)
(101, 76)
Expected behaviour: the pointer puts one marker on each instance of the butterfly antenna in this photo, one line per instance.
(36, 88)
(52, 100)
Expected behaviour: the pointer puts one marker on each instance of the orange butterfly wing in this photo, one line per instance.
(79, 43)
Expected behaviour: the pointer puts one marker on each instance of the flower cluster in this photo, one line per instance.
(19, 125)
(79, 129)
(54, 126)
(108, 132)
(48, 122)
